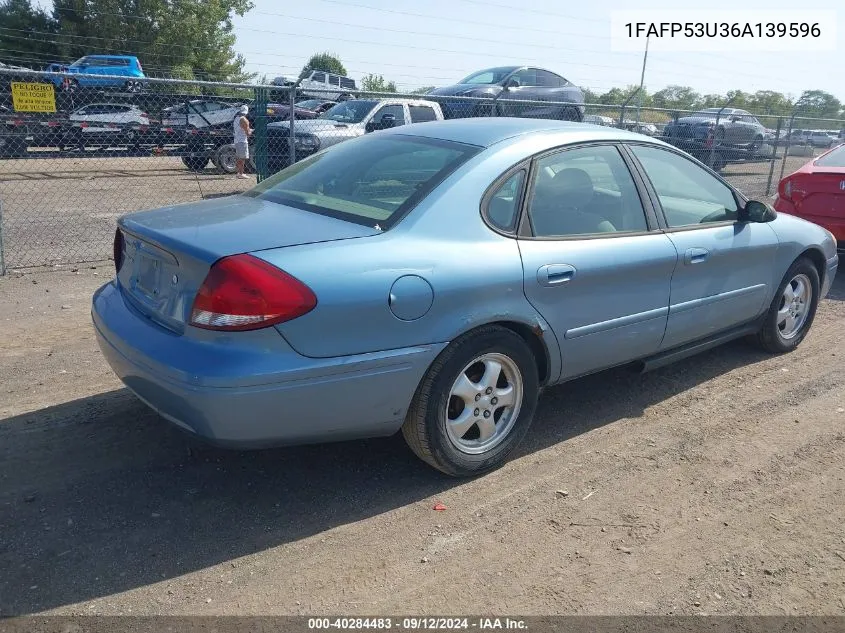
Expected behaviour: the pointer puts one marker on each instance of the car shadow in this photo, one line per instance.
(100, 496)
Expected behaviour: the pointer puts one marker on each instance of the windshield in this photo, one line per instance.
(489, 76)
(309, 104)
(836, 158)
(82, 61)
(373, 180)
(353, 111)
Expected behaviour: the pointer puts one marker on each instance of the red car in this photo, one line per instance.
(816, 192)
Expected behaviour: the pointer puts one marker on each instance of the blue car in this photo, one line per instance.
(125, 73)
(435, 278)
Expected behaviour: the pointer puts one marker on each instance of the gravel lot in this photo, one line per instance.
(63, 210)
(711, 486)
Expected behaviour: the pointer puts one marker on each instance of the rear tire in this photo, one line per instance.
(195, 163)
(792, 310)
(224, 158)
(456, 422)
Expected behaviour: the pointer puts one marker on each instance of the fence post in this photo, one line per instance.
(715, 128)
(625, 105)
(2, 257)
(774, 157)
(260, 145)
(292, 115)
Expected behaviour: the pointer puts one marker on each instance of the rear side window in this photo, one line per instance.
(372, 180)
(321, 77)
(347, 83)
(334, 80)
(422, 113)
(503, 205)
(836, 158)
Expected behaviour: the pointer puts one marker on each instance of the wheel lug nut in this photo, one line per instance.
(489, 390)
(486, 414)
(477, 397)
(476, 412)
(494, 400)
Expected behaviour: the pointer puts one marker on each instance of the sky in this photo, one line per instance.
(437, 42)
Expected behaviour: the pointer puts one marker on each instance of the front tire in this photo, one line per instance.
(793, 309)
(475, 403)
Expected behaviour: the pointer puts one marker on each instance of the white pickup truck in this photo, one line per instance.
(347, 119)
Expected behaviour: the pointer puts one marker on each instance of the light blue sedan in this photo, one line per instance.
(434, 278)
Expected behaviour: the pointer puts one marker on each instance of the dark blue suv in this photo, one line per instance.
(125, 73)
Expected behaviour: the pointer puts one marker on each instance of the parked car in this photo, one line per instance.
(343, 121)
(321, 85)
(509, 84)
(821, 139)
(105, 124)
(200, 113)
(734, 127)
(595, 119)
(418, 279)
(125, 73)
(308, 109)
(14, 134)
(15, 73)
(816, 192)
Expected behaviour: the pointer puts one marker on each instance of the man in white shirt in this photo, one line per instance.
(242, 133)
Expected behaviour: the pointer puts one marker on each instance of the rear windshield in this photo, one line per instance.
(836, 158)
(373, 180)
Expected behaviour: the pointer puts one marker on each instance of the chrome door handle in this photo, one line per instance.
(555, 274)
(696, 255)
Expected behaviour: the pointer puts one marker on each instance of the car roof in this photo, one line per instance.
(487, 131)
(111, 56)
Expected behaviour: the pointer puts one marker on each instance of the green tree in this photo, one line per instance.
(327, 62)
(676, 98)
(377, 83)
(194, 36)
(819, 103)
(27, 34)
(770, 102)
(590, 96)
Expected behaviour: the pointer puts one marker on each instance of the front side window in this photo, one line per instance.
(549, 80)
(397, 111)
(353, 111)
(320, 77)
(526, 77)
(585, 191)
(688, 193)
(372, 180)
(489, 76)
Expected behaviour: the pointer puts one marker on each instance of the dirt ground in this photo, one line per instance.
(711, 486)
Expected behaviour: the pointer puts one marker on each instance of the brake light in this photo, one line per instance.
(787, 189)
(118, 250)
(243, 292)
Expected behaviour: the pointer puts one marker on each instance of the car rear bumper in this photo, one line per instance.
(834, 225)
(249, 397)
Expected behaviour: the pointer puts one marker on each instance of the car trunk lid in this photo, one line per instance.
(166, 253)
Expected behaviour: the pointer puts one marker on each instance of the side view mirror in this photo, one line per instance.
(757, 211)
(513, 82)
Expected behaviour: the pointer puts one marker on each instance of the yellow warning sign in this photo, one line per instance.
(33, 97)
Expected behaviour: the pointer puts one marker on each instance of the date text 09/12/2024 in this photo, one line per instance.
(417, 623)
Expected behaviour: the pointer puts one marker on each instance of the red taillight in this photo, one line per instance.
(118, 250)
(243, 292)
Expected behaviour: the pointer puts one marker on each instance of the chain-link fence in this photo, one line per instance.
(73, 159)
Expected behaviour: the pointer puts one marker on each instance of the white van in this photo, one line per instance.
(321, 85)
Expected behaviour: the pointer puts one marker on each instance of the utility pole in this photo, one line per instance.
(642, 81)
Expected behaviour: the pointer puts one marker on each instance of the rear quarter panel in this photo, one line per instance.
(474, 274)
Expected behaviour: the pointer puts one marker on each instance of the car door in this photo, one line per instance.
(524, 88)
(726, 268)
(596, 265)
